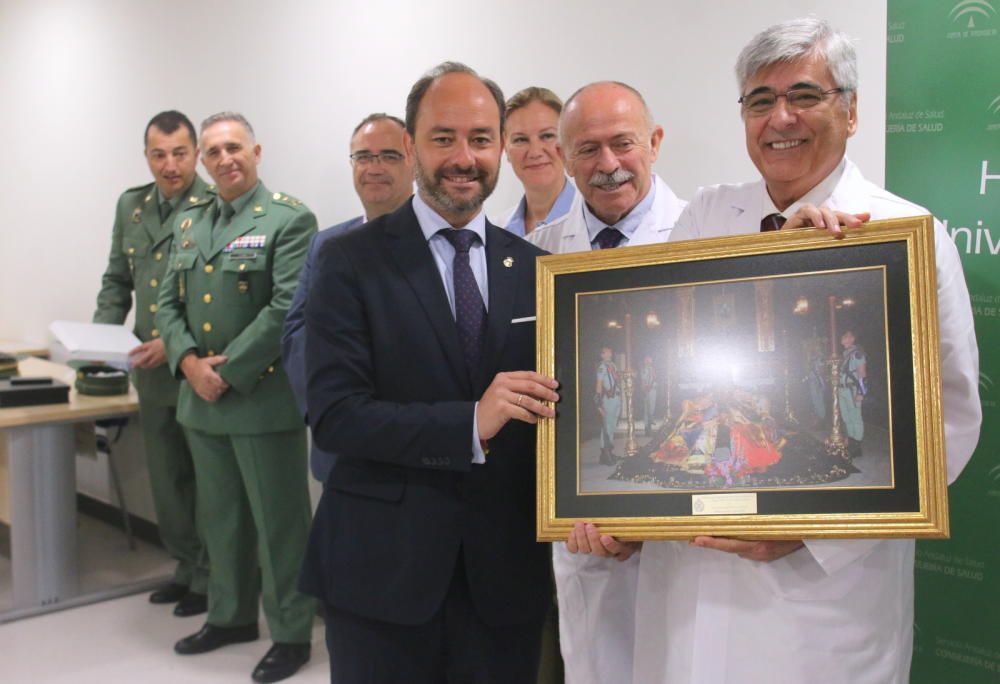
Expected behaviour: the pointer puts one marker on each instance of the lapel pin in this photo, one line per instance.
(137, 215)
(508, 261)
(185, 224)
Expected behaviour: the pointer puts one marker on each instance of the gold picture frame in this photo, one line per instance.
(727, 353)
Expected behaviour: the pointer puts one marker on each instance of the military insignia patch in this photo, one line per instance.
(137, 215)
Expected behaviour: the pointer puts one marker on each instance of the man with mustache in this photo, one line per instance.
(789, 611)
(609, 141)
(423, 545)
(233, 272)
(383, 179)
(140, 243)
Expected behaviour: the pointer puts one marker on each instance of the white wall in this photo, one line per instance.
(81, 78)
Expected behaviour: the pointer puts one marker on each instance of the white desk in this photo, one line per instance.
(41, 476)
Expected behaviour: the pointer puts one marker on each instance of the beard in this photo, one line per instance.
(432, 189)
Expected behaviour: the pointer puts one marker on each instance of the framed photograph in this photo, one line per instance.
(776, 385)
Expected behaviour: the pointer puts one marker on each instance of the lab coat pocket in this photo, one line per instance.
(798, 577)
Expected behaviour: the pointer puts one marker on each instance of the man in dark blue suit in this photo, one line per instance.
(383, 179)
(423, 546)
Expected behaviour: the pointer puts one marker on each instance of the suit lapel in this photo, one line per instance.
(747, 209)
(412, 254)
(151, 218)
(502, 270)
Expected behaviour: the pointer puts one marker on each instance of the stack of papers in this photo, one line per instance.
(95, 341)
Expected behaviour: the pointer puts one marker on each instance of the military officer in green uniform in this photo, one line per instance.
(233, 271)
(140, 246)
(851, 390)
(609, 404)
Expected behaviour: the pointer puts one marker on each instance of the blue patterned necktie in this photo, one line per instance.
(470, 313)
(609, 238)
(771, 222)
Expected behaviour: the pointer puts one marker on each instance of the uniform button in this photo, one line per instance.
(154, 282)
(158, 256)
(186, 244)
(155, 333)
(152, 308)
(243, 267)
(211, 352)
(209, 268)
(207, 298)
(207, 327)
(270, 369)
(131, 250)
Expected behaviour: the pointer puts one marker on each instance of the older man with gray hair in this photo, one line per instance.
(728, 610)
(233, 269)
(609, 141)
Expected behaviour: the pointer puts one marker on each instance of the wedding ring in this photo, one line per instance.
(520, 398)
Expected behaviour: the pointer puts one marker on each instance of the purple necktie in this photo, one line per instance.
(470, 313)
(771, 222)
(609, 238)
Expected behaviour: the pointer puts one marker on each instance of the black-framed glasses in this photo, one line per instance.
(764, 101)
(387, 157)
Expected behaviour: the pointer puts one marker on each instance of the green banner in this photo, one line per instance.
(943, 151)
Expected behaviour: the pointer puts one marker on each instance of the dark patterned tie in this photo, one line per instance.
(772, 222)
(609, 238)
(470, 313)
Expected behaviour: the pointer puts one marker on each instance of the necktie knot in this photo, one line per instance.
(461, 239)
(228, 211)
(165, 209)
(771, 222)
(609, 238)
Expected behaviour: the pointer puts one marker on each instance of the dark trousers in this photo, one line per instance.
(454, 647)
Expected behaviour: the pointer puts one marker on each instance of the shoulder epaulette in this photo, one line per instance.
(197, 201)
(282, 198)
(140, 188)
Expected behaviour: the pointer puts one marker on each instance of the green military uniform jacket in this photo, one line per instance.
(140, 245)
(228, 294)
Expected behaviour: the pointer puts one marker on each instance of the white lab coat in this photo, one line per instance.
(837, 612)
(507, 214)
(597, 595)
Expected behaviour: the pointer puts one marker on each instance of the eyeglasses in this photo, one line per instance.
(762, 102)
(387, 157)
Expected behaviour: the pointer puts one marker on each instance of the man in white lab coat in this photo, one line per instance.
(722, 611)
(609, 141)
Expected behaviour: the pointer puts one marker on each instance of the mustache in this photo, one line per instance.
(618, 177)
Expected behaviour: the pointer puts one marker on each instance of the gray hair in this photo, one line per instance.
(798, 38)
(229, 116)
(421, 87)
(646, 111)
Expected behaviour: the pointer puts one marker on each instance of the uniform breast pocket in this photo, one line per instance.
(183, 263)
(246, 273)
(134, 250)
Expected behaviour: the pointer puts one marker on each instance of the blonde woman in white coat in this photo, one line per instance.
(531, 141)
